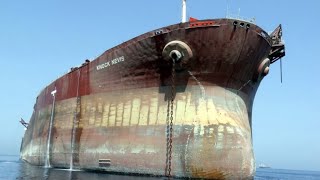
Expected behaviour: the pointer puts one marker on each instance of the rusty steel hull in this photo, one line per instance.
(115, 107)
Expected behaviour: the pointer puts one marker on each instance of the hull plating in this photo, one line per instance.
(115, 107)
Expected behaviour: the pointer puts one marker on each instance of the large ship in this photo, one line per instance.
(176, 101)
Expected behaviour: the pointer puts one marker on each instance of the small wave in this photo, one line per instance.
(64, 169)
(9, 161)
(60, 169)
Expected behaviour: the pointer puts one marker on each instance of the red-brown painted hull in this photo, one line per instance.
(115, 107)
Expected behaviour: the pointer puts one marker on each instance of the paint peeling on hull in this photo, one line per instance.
(214, 139)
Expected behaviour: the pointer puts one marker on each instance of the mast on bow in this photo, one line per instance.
(184, 11)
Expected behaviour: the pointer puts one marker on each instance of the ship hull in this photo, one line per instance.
(112, 114)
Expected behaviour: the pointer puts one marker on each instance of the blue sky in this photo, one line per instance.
(41, 40)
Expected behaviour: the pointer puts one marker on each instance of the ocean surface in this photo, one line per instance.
(12, 168)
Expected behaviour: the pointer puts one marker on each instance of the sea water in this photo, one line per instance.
(12, 168)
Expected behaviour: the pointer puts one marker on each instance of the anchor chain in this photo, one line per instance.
(170, 121)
